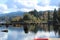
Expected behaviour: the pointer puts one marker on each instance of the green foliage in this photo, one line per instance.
(59, 12)
(17, 18)
(55, 15)
(35, 13)
(27, 17)
(30, 18)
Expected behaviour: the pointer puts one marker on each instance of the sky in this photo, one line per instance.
(7, 6)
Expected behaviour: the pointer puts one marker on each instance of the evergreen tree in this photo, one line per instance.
(55, 27)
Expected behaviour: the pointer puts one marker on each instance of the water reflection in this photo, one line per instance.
(15, 33)
(3, 35)
(19, 34)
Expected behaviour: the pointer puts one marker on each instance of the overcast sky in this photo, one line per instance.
(27, 5)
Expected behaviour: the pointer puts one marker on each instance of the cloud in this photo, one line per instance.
(3, 7)
(33, 4)
(44, 2)
(43, 8)
(25, 9)
(26, 5)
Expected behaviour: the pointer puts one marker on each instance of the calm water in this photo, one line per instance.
(18, 34)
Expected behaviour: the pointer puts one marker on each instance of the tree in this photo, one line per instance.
(58, 18)
(55, 27)
(34, 12)
(17, 18)
(59, 14)
(30, 18)
(27, 17)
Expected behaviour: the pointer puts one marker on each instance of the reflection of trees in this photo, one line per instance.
(56, 21)
(25, 28)
(34, 28)
(58, 18)
(31, 27)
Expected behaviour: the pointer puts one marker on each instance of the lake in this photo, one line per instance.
(15, 33)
